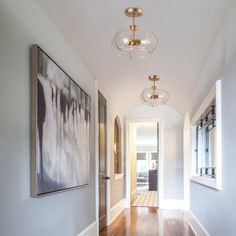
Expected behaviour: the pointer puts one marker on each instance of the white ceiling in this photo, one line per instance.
(186, 30)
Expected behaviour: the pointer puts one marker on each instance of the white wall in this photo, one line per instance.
(116, 185)
(171, 123)
(216, 209)
(133, 158)
(23, 23)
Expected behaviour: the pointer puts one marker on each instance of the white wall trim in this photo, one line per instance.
(172, 204)
(214, 93)
(206, 181)
(91, 230)
(99, 87)
(195, 224)
(187, 155)
(108, 164)
(96, 158)
(128, 160)
(116, 210)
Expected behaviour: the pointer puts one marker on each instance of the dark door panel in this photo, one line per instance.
(102, 107)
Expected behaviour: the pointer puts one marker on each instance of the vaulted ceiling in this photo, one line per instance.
(185, 29)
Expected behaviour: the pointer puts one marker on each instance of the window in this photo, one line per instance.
(206, 141)
(142, 162)
(153, 162)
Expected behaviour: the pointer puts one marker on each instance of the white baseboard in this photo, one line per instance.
(171, 204)
(117, 209)
(91, 230)
(195, 224)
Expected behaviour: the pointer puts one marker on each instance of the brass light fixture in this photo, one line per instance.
(135, 42)
(154, 96)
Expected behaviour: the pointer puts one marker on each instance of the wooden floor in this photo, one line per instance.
(147, 221)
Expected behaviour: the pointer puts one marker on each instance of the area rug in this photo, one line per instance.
(146, 199)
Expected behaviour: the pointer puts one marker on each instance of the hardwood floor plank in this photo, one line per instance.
(148, 221)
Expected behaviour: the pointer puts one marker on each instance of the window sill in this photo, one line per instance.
(211, 183)
(118, 176)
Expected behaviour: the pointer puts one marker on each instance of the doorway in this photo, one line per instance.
(102, 168)
(143, 182)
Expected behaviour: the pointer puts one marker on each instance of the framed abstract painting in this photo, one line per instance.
(61, 117)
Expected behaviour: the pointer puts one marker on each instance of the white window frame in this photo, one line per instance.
(215, 183)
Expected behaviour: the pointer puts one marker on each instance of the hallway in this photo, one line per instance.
(117, 116)
(144, 221)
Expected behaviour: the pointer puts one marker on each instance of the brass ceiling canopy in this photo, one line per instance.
(133, 12)
(154, 96)
(153, 78)
(133, 42)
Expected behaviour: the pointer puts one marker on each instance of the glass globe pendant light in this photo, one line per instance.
(135, 42)
(154, 96)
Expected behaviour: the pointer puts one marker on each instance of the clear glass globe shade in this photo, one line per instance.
(148, 43)
(156, 97)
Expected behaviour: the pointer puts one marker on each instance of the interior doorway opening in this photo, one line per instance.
(144, 161)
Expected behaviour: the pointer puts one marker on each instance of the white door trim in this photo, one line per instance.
(108, 164)
(187, 152)
(96, 158)
(128, 162)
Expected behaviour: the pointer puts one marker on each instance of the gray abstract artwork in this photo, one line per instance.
(62, 132)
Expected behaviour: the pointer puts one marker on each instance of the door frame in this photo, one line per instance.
(128, 162)
(186, 161)
(98, 88)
